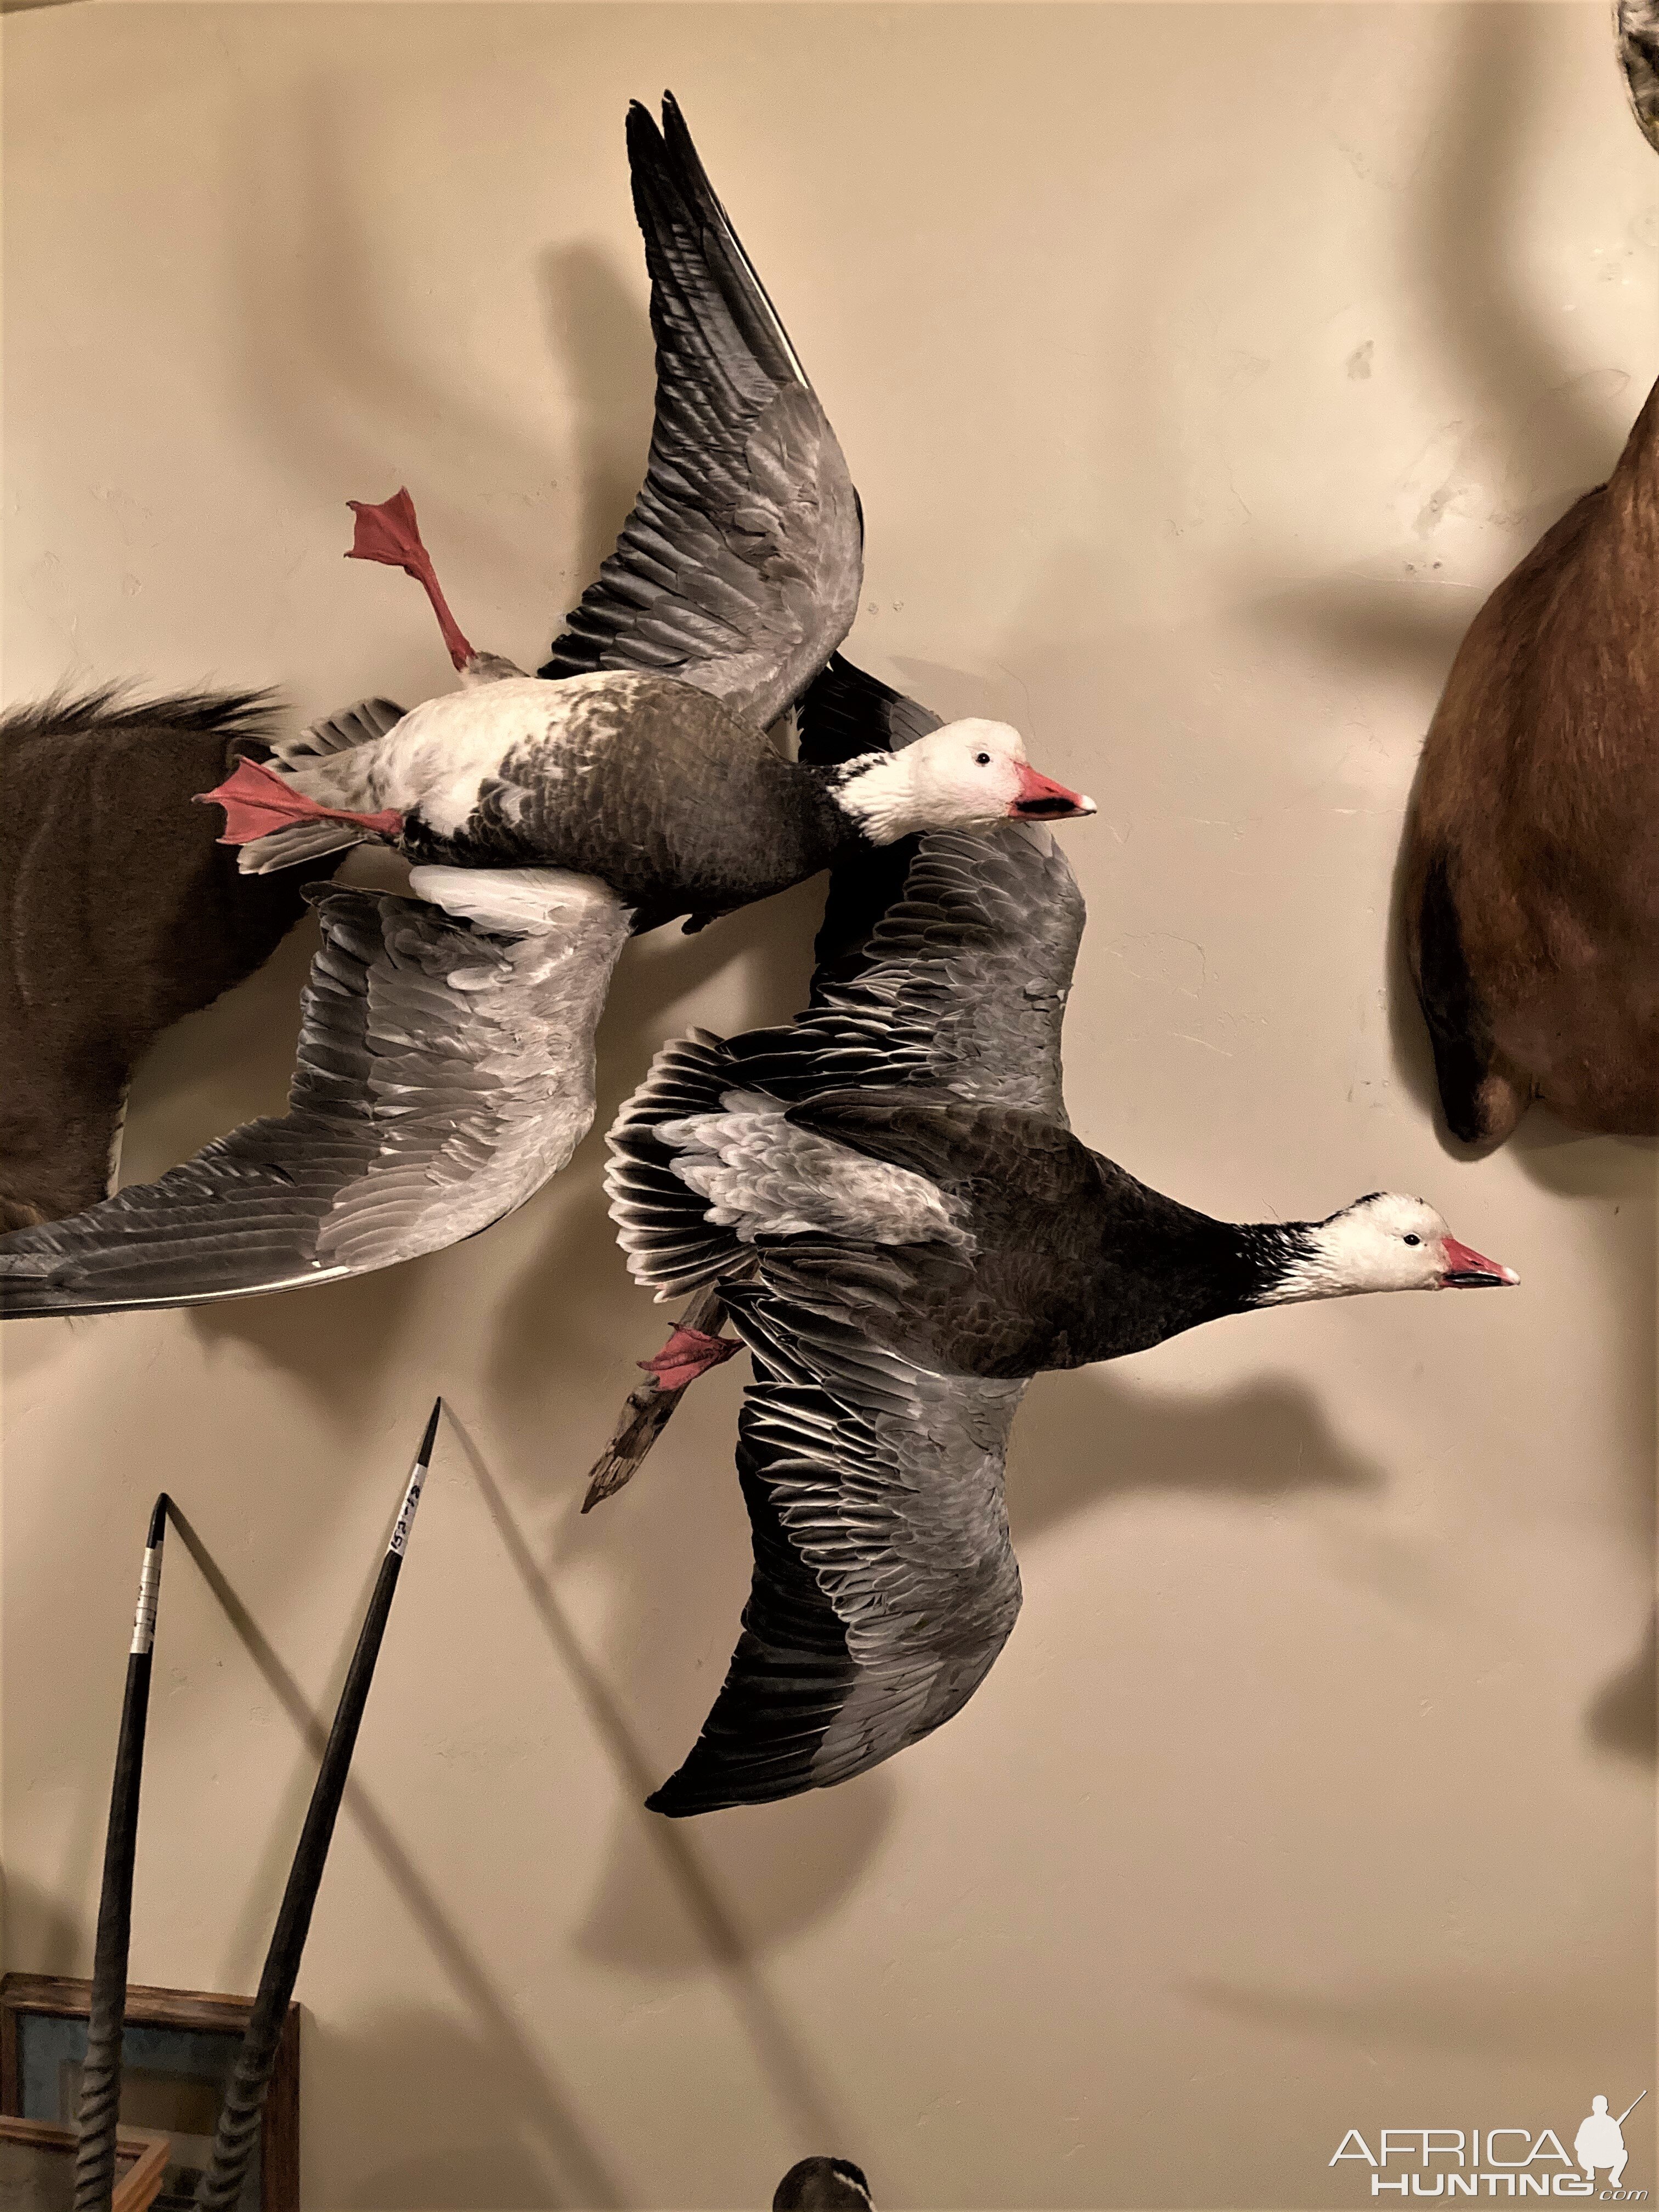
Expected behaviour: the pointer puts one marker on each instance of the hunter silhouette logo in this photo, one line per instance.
(1445, 2162)
(1600, 2141)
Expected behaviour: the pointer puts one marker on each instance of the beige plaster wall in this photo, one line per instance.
(1201, 367)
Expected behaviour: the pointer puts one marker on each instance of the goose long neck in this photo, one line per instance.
(872, 796)
(1235, 1267)
(1166, 1268)
(1279, 1259)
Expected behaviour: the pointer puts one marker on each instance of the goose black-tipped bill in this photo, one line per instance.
(1469, 1270)
(1042, 799)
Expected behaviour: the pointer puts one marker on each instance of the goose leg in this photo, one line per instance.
(687, 1353)
(650, 1405)
(389, 533)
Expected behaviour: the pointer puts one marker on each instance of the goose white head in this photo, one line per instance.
(968, 775)
(1381, 1243)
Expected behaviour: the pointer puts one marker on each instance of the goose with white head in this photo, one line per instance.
(903, 1231)
(640, 755)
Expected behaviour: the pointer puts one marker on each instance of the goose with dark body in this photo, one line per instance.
(446, 1060)
(904, 1230)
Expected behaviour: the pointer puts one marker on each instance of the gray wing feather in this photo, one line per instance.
(361, 724)
(885, 1582)
(847, 712)
(962, 986)
(739, 567)
(444, 1071)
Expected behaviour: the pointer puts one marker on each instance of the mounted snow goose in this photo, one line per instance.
(445, 1067)
(903, 1231)
(1530, 877)
(640, 754)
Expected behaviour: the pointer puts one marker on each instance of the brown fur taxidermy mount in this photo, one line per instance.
(122, 914)
(1530, 879)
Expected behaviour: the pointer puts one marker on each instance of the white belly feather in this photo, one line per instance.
(438, 759)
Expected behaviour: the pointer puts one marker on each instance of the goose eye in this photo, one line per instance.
(1414, 1240)
(981, 760)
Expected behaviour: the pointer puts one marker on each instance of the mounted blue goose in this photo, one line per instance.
(903, 1231)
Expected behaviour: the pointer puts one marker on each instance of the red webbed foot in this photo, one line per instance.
(389, 533)
(256, 802)
(687, 1354)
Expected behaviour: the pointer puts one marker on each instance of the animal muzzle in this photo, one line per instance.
(1469, 1270)
(1039, 797)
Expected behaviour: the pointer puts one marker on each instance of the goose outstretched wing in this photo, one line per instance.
(885, 1583)
(739, 569)
(943, 960)
(961, 986)
(444, 1070)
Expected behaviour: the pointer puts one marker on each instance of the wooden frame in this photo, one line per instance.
(141, 2158)
(61, 1997)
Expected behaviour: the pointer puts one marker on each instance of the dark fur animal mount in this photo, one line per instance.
(904, 1231)
(121, 915)
(1531, 879)
(1530, 882)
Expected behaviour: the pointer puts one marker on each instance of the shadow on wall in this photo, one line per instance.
(675, 1864)
(361, 2070)
(1083, 1438)
(40, 1937)
(1522, 2016)
(1623, 1718)
(598, 328)
(328, 380)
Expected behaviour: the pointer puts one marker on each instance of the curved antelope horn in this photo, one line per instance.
(221, 2184)
(100, 2075)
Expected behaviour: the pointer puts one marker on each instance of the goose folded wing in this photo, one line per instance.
(444, 1071)
(739, 569)
(885, 1583)
(962, 987)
